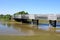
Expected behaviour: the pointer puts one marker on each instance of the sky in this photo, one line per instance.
(30, 6)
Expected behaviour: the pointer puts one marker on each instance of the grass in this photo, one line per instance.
(36, 37)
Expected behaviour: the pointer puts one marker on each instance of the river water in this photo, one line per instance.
(22, 29)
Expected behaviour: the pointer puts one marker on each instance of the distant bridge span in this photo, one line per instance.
(33, 17)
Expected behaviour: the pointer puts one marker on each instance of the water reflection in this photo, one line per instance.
(15, 29)
(23, 29)
(49, 28)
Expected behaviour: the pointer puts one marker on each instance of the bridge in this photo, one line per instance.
(34, 17)
(25, 18)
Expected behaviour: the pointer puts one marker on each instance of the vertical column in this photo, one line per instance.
(53, 25)
(37, 23)
(52, 22)
(32, 21)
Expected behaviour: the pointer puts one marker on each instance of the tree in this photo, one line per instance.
(1, 16)
(7, 16)
(22, 12)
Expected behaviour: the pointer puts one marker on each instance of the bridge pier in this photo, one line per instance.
(35, 21)
(52, 25)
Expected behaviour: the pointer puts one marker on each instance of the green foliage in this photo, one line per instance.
(22, 12)
(5, 17)
(8, 16)
(1, 15)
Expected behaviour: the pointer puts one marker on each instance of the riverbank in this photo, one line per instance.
(50, 36)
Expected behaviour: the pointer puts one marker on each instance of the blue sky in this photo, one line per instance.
(30, 6)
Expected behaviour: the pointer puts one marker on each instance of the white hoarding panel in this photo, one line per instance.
(31, 17)
(19, 16)
(52, 17)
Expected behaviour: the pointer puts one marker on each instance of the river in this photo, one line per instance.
(22, 29)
